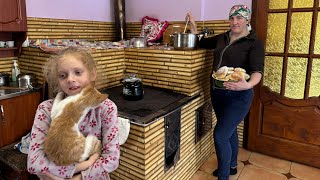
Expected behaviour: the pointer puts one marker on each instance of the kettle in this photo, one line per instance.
(139, 42)
(207, 32)
(132, 88)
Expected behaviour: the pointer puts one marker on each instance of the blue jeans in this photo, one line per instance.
(230, 108)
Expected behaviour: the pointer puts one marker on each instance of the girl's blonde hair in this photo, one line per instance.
(50, 69)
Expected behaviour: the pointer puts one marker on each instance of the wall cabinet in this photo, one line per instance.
(13, 25)
(16, 117)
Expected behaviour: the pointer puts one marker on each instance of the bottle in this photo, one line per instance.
(15, 70)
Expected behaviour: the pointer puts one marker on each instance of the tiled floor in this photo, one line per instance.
(255, 166)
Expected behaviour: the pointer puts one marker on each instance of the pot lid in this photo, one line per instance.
(26, 76)
(132, 78)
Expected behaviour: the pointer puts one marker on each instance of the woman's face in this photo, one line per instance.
(73, 75)
(238, 24)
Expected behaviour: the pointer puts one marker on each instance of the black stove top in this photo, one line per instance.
(156, 102)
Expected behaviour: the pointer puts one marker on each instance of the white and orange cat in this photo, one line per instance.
(64, 143)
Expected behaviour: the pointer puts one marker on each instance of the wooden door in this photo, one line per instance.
(17, 117)
(284, 120)
(13, 15)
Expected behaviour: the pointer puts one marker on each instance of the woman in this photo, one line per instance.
(237, 47)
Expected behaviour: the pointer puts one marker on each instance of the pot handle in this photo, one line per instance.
(121, 81)
(200, 36)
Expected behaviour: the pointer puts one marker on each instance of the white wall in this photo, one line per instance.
(96, 10)
(175, 10)
(102, 10)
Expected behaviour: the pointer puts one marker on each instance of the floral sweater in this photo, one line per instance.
(101, 121)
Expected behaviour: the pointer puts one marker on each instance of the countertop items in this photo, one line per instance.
(157, 102)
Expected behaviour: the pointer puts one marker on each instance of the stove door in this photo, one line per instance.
(172, 138)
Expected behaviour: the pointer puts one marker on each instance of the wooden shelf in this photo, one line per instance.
(8, 52)
(8, 49)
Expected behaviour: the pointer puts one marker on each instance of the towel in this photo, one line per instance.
(124, 128)
(23, 145)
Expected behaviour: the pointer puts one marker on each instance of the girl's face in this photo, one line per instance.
(73, 75)
(238, 24)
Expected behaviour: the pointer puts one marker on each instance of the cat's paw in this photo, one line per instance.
(92, 145)
(97, 147)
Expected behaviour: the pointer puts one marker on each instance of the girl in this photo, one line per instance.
(70, 71)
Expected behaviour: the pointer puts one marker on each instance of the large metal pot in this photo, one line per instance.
(139, 42)
(185, 41)
(4, 79)
(27, 80)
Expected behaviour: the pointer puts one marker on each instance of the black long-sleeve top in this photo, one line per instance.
(246, 52)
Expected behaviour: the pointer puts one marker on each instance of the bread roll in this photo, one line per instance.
(239, 69)
(221, 72)
(237, 75)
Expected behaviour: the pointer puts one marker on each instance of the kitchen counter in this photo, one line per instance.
(157, 102)
(13, 90)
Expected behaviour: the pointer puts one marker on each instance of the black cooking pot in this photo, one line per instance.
(132, 88)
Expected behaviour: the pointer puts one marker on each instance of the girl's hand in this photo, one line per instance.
(86, 164)
(238, 86)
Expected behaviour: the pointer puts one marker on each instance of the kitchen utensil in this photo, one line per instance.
(185, 28)
(139, 42)
(186, 41)
(10, 44)
(4, 79)
(132, 88)
(2, 44)
(27, 80)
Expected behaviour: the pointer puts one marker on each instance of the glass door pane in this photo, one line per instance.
(276, 32)
(296, 77)
(315, 79)
(273, 73)
(300, 32)
(278, 4)
(303, 3)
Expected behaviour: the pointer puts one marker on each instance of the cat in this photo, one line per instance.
(64, 143)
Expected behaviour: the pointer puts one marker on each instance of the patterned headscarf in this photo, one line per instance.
(241, 10)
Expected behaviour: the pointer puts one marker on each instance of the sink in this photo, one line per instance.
(4, 92)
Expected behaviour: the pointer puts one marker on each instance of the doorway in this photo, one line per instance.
(284, 120)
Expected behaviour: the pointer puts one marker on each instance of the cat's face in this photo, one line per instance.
(73, 75)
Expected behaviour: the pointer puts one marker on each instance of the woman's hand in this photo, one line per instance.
(192, 23)
(86, 164)
(242, 84)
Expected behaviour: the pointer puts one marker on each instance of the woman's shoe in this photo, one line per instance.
(233, 171)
